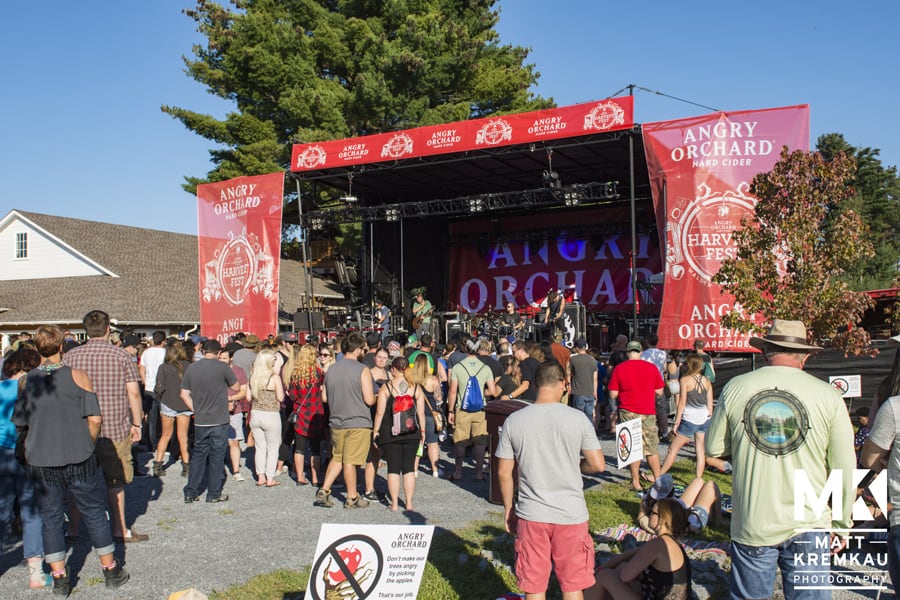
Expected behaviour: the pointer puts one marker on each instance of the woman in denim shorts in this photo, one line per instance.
(692, 413)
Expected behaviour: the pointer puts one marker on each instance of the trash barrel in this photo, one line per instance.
(497, 411)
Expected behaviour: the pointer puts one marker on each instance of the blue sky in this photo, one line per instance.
(83, 136)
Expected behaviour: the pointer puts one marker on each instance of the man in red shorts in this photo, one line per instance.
(636, 383)
(550, 520)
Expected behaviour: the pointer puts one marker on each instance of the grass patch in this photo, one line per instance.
(166, 524)
(472, 563)
(283, 584)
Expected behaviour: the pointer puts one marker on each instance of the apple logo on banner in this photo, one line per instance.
(700, 235)
(240, 268)
(397, 146)
(312, 157)
(493, 132)
(605, 115)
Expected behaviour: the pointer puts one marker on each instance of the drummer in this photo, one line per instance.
(511, 321)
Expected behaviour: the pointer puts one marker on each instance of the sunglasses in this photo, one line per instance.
(325, 354)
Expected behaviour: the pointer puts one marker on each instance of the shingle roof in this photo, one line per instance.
(157, 278)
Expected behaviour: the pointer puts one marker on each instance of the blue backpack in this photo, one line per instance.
(473, 397)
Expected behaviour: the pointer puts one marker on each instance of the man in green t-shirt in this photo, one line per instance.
(784, 429)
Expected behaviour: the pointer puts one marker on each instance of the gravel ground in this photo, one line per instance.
(214, 546)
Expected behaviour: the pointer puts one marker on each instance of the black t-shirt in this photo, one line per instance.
(507, 385)
(493, 364)
(529, 367)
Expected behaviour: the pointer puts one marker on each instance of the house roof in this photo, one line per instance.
(156, 278)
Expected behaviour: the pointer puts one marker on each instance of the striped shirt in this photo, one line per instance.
(110, 369)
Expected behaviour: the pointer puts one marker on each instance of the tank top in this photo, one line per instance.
(674, 585)
(695, 410)
(266, 401)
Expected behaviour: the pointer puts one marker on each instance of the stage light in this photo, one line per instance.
(551, 180)
(476, 204)
(572, 197)
(392, 214)
(349, 199)
(317, 223)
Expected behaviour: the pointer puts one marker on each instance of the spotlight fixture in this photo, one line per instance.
(476, 204)
(392, 214)
(317, 223)
(551, 180)
(349, 198)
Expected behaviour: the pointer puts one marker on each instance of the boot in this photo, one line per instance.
(61, 584)
(158, 470)
(115, 577)
(185, 469)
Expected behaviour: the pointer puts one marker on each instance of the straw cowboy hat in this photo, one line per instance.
(790, 335)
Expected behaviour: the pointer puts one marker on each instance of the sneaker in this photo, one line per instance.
(238, 477)
(115, 577)
(358, 502)
(372, 495)
(323, 498)
(61, 584)
(437, 473)
(222, 498)
(189, 499)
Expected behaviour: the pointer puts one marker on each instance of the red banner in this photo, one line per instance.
(700, 171)
(586, 254)
(239, 225)
(463, 136)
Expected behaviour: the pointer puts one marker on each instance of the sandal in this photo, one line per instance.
(273, 484)
(648, 477)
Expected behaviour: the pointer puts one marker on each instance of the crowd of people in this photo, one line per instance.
(319, 411)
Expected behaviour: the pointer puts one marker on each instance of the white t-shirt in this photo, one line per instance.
(151, 359)
(546, 441)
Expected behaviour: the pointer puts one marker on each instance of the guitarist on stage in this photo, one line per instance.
(382, 319)
(421, 310)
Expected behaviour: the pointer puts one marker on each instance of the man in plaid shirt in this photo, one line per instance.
(117, 384)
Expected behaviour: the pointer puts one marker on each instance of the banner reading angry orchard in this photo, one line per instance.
(700, 172)
(239, 223)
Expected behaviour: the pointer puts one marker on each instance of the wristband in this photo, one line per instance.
(135, 425)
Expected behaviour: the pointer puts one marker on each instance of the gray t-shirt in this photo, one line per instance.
(208, 381)
(546, 441)
(55, 410)
(583, 368)
(244, 359)
(886, 435)
(343, 383)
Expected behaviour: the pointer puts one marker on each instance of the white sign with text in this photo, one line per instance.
(629, 443)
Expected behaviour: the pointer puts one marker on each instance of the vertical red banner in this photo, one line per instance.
(239, 239)
(700, 171)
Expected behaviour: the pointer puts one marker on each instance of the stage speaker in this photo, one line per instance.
(453, 329)
(309, 321)
(573, 323)
(598, 338)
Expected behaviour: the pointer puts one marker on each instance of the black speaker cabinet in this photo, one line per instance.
(573, 323)
(309, 321)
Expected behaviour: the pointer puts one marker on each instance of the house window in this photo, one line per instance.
(22, 245)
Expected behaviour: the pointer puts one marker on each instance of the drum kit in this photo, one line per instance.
(495, 326)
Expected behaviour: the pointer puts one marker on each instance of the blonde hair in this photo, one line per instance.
(261, 371)
(304, 371)
(420, 371)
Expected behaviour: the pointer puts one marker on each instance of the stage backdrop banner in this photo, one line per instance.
(239, 224)
(611, 114)
(700, 172)
(520, 259)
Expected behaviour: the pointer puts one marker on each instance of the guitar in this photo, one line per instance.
(418, 319)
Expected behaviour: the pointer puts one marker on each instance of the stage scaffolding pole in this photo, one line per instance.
(402, 275)
(307, 274)
(634, 290)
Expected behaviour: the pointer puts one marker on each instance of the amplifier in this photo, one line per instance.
(309, 321)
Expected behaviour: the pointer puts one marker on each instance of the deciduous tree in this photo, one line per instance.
(791, 257)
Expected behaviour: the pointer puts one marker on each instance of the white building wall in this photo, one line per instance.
(47, 258)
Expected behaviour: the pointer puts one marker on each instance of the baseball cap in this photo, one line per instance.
(290, 336)
(131, 339)
(634, 346)
(662, 487)
(581, 343)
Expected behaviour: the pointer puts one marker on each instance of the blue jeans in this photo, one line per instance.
(89, 495)
(753, 568)
(585, 404)
(208, 461)
(14, 483)
(893, 549)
